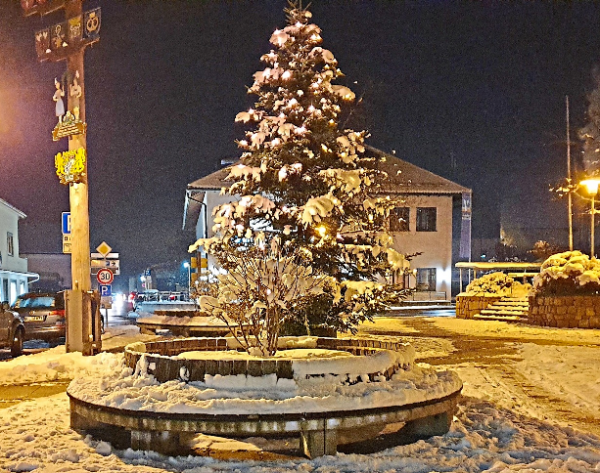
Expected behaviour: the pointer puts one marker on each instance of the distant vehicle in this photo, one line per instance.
(130, 304)
(43, 315)
(12, 330)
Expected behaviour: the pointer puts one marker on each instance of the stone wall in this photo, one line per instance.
(468, 306)
(565, 311)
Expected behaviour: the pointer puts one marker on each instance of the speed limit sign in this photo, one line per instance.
(105, 276)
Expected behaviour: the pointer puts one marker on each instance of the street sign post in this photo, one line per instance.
(105, 290)
(103, 249)
(66, 223)
(105, 277)
(66, 231)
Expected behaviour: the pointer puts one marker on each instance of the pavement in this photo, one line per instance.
(12, 394)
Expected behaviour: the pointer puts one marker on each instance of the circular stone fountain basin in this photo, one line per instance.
(371, 386)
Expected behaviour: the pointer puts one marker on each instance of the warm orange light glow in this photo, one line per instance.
(321, 230)
(591, 185)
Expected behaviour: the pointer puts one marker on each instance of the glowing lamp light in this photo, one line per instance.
(321, 230)
(444, 275)
(591, 185)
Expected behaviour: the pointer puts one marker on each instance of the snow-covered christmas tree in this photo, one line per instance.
(304, 192)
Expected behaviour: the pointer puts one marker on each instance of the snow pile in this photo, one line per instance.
(137, 390)
(568, 273)
(353, 365)
(55, 364)
(316, 361)
(36, 437)
(497, 284)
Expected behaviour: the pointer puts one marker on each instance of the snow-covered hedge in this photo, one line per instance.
(568, 273)
(497, 284)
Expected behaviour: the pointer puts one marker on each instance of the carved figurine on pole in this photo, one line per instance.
(60, 104)
(74, 95)
(69, 123)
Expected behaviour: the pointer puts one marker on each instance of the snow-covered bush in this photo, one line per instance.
(568, 273)
(259, 293)
(542, 250)
(498, 284)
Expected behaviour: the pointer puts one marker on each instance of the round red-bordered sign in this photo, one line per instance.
(105, 276)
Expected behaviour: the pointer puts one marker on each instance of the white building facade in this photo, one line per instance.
(422, 223)
(14, 277)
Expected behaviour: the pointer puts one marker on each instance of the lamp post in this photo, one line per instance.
(592, 187)
(187, 265)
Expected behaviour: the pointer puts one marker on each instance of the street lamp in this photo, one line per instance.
(592, 187)
(187, 265)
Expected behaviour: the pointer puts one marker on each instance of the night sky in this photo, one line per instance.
(473, 91)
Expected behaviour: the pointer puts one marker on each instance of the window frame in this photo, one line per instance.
(396, 222)
(430, 276)
(424, 219)
(10, 244)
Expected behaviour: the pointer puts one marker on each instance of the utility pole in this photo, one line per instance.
(66, 41)
(570, 194)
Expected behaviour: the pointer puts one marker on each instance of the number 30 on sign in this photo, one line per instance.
(105, 276)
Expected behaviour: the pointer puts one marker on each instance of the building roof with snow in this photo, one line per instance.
(404, 178)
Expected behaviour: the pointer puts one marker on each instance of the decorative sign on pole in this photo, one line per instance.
(60, 40)
(69, 123)
(70, 166)
(69, 126)
(41, 7)
(67, 41)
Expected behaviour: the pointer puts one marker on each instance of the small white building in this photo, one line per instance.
(424, 222)
(14, 277)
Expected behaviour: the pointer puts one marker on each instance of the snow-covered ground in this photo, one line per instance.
(504, 422)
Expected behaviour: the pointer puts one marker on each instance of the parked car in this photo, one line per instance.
(43, 315)
(12, 330)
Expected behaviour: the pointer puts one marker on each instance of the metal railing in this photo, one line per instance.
(427, 296)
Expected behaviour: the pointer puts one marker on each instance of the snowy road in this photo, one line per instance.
(549, 374)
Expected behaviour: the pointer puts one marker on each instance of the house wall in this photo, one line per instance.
(436, 247)
(211, 200)
(13, 268)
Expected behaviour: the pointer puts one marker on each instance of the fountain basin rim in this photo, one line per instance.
(286, 417)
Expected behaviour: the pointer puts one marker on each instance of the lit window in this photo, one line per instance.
(426, 279)
(10, 245)
(426, 219)
(399, 219)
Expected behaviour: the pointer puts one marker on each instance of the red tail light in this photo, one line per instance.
(61, 313)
